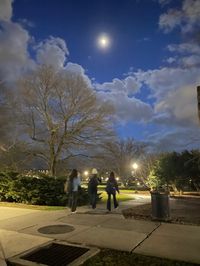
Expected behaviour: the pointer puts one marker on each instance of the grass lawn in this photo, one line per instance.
(119, 258)
(120, 197)
(123, 196)
(33, 207)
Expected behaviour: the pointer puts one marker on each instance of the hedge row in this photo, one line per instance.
(38, 191)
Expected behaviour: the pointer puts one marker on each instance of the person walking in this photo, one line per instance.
(74, 183)
(92, 188)
(111, 188)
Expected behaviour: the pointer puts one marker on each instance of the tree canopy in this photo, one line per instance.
(60, 114)
(179, 170)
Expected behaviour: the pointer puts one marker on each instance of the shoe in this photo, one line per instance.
(117, 208)
(73, 212)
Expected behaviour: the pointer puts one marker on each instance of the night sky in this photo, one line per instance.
(149, 71)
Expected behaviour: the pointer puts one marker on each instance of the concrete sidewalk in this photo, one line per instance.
(21, 230)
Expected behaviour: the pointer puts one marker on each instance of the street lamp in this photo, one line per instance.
(86, 173)
(133, 172)
(135, 166)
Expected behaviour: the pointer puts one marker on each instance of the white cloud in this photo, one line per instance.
(190, 48)
(52, 51)
(15, 42)
(130, 85)
(174, 108)
(170, 60)
(170, 20)
(14, 56)
(190, 61)
(76, 69)
(127, 109)
(191, 10)
(174, 139)
(164, 2)
(119, 93)
(165, 80)
(174, 94)
(187, 17)
(5, 10)
(181, 106)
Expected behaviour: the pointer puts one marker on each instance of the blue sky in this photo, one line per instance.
(149, 72)
(133, 26)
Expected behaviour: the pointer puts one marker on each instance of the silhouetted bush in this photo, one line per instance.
(39, 191)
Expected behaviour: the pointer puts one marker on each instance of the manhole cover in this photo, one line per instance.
(55, 254)
(56, 229)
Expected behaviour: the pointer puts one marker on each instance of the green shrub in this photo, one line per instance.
(39, 191)
(9, 174)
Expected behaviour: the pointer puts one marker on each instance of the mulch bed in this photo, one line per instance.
(182, 211)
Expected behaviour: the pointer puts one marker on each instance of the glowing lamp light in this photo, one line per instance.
(86, 173)
(135, 166)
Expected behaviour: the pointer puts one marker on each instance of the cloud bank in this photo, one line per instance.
(169, 107)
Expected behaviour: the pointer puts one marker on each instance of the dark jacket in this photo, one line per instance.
(111, 186)
(93, 183)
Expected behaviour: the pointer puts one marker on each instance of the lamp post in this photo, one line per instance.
(133, 172)
(198, 101)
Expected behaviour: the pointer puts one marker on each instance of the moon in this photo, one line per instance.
(103, 41)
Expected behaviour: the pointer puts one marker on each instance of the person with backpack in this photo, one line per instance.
(111, 188)
(73, 185)
(92, 188)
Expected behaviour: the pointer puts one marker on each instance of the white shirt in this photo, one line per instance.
(76, 183)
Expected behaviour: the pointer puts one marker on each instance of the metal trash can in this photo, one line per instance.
(160, 206)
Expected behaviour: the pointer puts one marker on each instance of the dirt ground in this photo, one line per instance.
(183, 210)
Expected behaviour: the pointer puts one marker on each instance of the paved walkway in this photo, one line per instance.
(19, 232)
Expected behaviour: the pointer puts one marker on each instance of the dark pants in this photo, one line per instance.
(114, 201)
(72, 201)
(93, 199)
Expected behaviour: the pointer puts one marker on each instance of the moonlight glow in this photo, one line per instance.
(103, 41)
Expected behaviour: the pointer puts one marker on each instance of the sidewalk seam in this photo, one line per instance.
(86, 229)
(3, 253)
(148, 235)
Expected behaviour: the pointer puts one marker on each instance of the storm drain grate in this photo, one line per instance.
(55, 254)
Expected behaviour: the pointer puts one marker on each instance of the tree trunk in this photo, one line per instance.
(53, 166)
(174, 188)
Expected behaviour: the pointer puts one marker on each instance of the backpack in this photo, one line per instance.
(110, 188)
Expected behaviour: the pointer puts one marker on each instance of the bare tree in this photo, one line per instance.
(8, 135)
(119, 155)
(17, 157)
(61, 114)
(143, 173)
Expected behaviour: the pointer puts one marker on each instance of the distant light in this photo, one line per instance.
(117, 178)
(106, 178)
(103, 41)
(86, 173)
(135, 166)
(138, 183)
